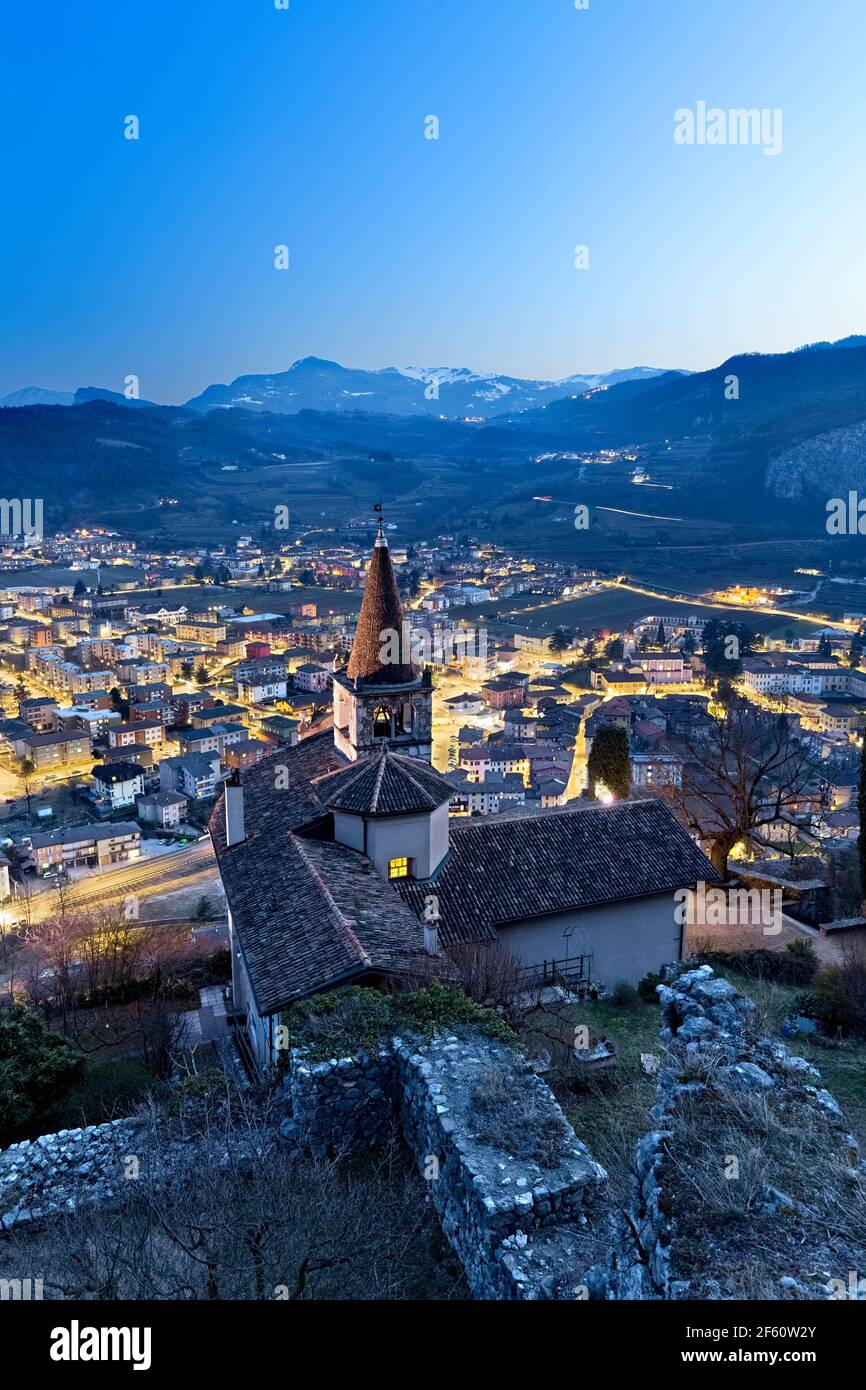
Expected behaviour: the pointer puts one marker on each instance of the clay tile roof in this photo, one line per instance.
(308, 913)
(508, 870)
(381, 612)
(389, 785)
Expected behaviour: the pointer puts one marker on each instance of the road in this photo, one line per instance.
(185, 869)
(744, 609)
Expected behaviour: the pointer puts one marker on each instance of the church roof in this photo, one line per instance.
(510, 870)
(381, 613)
(390, 785)
(308, 913)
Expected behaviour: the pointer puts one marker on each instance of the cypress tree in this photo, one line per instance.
(609, 762)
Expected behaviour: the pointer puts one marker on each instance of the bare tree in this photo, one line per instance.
(745, 769)
(243, 1217)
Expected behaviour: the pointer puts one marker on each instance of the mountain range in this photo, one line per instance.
(755, 438)
(312, 383)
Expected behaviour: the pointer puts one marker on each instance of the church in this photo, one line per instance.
(341, 866)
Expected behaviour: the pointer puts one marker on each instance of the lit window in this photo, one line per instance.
(398, 868)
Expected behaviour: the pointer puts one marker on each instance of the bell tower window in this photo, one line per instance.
(382, 721)
(391, 723)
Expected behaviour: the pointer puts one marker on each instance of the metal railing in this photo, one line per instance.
(568, 973)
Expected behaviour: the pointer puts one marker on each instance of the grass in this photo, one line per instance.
(609, 1110)
(614, 609)
(198, 598)
(842, 1065)
(730, 1156)
(516, 1116)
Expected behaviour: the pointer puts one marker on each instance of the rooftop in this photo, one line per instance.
(381, 613)
(508, 870)
(389, 785)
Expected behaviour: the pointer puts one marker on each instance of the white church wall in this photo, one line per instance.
(627, 939)
(423, 839)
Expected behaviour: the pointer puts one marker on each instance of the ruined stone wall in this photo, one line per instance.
(46, 1176)
(521, 1230)
(342, 1106)
(718, 1053)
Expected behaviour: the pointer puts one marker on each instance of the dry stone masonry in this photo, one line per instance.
(519, 1228)
(342, 1106)
(720, 1063)
(541, 1226)
(52, 1174)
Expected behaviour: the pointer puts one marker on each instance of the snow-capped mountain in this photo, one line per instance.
(456, 392)
(35, 395)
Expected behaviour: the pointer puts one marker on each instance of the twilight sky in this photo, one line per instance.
(306, 127)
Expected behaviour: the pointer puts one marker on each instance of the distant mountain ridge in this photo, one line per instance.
(756, 431)
(35, 395)
(313, 383)
(780, 397)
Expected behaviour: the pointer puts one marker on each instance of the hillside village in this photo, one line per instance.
(229, 822)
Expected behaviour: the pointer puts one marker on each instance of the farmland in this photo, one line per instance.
(614, 608)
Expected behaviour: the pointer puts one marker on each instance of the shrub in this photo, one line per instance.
(624, 996)
(788, 967)
(513, 1114)
(803, 953)
(359, 1019)
(838, 995)
(204, 1088)
(647, 987)
(36, 1066)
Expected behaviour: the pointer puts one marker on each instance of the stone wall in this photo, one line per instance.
(542, 1227)
(521, 1229)
(49, 1175)
(719, 1057)
(342, 1106)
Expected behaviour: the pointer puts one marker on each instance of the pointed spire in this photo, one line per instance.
(380, 624)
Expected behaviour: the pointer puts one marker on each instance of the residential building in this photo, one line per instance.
(86, 846)
(246, 753)
(147, 731)
(256, 691)
(165, 809)
(58, 749)
(312, 678)
(196, 775)
(118, 784)
(40, 713)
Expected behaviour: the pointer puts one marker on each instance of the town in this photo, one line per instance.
(433, 678)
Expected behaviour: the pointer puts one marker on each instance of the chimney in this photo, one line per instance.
(234, 809)
(431, 938)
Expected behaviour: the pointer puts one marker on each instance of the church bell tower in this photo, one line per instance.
(380, 698)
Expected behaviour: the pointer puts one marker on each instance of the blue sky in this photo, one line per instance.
(305, 127)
